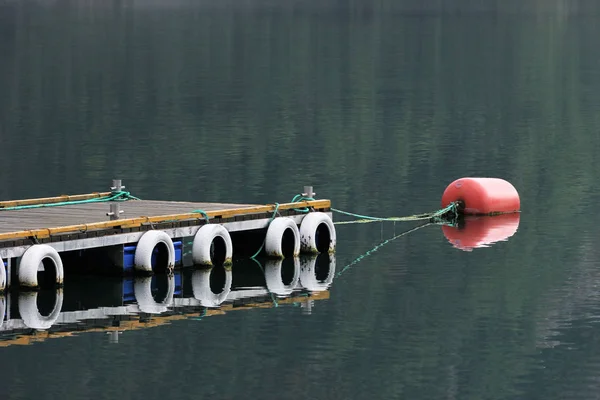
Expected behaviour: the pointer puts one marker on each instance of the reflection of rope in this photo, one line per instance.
(199, 318)
(273, 298)
(380, 245)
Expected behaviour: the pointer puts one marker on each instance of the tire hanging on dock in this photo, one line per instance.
(142, 289)
(2, 310)
(202, 291)
(274, 279)
(31, 260)
(203, 242)
(2, 276)
(145, 248)
(308, 273)
(278, 228)
(32, 318)
(317, 234)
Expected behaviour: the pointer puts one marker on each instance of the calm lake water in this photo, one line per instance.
(379, 107)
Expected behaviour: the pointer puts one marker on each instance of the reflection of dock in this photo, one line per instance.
(128, 318)
(145, 302)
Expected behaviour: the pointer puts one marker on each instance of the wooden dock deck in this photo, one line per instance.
(94, 213)
(88, 221)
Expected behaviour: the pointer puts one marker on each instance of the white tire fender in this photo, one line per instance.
(308, 232)
(2, 277)
(273, 241)
(31, 315)
(275, 282)
(145, 247)
(33, 256)
(202, 291)
(2, 310)
(203, 241)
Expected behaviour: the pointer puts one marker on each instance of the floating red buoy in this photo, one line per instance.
(482, 196)
(482, 231)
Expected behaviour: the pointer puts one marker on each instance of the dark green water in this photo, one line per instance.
(379, 106)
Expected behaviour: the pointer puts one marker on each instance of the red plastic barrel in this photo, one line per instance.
(482, 231)
(483, 196)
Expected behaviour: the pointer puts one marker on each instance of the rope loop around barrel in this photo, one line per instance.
(300, 198)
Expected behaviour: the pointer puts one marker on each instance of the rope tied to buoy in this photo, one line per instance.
(120, 195)
(448, 212)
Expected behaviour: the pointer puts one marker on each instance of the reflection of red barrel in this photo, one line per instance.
(482, 231)
(483, 196)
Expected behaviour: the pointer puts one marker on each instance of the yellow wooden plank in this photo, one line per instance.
(138, 221)
(235, 212)
(51, 200)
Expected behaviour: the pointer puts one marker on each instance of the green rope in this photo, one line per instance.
(115, 196)
(451, 209)
(199, 318)
(273, 298)
(269, 223)
(297, 199)
(380, 245)
(204, 214)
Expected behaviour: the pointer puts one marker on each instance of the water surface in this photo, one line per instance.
(379, 107)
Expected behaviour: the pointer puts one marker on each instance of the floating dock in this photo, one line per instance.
(113, 232)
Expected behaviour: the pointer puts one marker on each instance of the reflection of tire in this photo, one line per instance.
(275, 281)
(311, 228)
(203, 241)
(33, 256)
(31, 315)
(142, 288)
(273, 241)
(308, 273)
(145, 247)
(202, 291)
(2, 276)
(2, 310)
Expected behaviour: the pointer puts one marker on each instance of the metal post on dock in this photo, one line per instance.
(116, 185)
(115, 211)
(308, 192)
